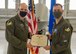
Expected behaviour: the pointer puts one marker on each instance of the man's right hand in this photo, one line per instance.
(29, 45)
(49, 35)
(47, 47)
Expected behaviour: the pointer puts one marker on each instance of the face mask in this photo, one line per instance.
(57, 14)
(23, 14)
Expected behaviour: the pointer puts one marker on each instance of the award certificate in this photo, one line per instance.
(39, 40)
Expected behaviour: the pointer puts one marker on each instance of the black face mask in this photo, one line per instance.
(57, 14)
(23, 14)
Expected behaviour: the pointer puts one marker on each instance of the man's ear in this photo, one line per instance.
(62, 11)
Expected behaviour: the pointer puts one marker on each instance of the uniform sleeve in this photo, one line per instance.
(64, 40)
(11, 38)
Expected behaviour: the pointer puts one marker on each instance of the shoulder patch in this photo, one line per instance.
(67, 29)
(9, 23)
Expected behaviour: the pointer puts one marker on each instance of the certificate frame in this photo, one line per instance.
(39, 40)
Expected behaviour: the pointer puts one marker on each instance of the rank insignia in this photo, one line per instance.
(21, 25)
(67, 29)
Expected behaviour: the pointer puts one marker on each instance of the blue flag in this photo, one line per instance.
(51, 19)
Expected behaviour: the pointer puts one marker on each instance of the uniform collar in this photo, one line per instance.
(18, 18)
(61, 20)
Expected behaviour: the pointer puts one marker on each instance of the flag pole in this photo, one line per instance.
(33, 9)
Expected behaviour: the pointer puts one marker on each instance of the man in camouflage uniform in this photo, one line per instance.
(17, 32)
(62, 31)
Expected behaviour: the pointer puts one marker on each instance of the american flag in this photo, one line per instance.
(32, 24)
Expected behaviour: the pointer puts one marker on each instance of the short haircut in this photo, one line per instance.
(58, 4)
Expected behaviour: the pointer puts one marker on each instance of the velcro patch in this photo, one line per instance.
(9, 23)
